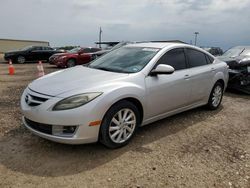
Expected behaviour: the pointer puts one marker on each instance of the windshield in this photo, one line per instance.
(125, 59)
(74, 50)
(26, 48)
(233, 52)
(119, 45)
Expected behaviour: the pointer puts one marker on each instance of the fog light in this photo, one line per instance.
(69, 129)
(59, 130)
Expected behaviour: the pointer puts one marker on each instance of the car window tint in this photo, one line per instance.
(94, 49)
(196, 58)
(175, 58)
(87, 50)
(38, 48)
(46, 48)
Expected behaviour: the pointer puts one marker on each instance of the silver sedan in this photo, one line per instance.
(129, 87)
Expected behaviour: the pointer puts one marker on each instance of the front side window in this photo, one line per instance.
(196, 58)
(74, 50)
(175, 58)
(125, 59)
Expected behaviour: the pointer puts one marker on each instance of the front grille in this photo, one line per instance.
(44, 128)
(33, 100)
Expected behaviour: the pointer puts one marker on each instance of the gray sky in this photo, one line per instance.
(222, 23)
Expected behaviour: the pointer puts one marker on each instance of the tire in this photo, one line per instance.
(113, 133)
(216, 96)
(71, 63)
(20, 60)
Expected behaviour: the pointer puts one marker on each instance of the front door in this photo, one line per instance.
(166, 93)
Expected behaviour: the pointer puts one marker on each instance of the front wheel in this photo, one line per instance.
(215, 96)
(119, 124)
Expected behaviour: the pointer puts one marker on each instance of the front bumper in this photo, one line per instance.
(79, 117)
(75, 139)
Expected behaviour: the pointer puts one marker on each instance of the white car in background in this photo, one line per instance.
(129, 87)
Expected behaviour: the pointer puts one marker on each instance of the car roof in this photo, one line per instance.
(160, 45)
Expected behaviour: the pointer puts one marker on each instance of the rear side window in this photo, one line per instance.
(196, 58)
(94, 49)
(175, 58)
(87, 50)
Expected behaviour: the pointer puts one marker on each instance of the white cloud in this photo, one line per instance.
(220, 22)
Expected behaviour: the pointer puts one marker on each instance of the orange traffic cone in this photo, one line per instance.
(40, 69)
(11, 68)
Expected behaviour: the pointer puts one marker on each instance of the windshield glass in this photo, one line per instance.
(233, 52)
(119, 45)
(125, 59)
(74, 50)
(26, 48)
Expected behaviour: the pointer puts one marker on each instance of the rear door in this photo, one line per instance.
(166, 93)
(37, 53)
(84, 56)
(201, 74)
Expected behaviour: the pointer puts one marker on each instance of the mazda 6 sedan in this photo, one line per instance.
(127, 88)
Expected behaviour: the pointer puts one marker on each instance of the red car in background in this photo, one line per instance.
(76, 56)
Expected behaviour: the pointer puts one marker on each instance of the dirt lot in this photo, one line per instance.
(198, 148)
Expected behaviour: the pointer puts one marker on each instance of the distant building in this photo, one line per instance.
(12, 44)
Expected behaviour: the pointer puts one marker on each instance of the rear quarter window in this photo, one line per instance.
(209, 59)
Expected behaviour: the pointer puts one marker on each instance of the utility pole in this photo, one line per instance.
(196, 36)
(100, 37)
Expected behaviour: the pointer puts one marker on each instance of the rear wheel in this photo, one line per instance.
(71, 63)
(20, 59)
(119, 124)
(215, 96)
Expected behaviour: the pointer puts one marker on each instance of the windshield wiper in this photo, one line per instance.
(110, 70)
(103, 68)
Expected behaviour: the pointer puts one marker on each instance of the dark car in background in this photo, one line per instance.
(30, 54)
(238, 60)
(216, 51)
(76, 56)
(104, 51)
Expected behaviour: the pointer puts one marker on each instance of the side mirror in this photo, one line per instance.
(162, 69)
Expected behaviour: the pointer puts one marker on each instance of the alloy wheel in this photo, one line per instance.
(217, 95)
(122, 125)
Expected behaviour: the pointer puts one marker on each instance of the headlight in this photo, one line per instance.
(245, 59)
(75, 101)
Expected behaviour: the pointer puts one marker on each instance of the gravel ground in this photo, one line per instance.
(198, 148)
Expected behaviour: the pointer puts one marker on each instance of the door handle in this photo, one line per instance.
(212, 69)
(186, 76)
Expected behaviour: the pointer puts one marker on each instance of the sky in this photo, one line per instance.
(223, 23)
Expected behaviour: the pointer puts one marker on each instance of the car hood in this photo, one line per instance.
(79, 77)
(14, 52)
